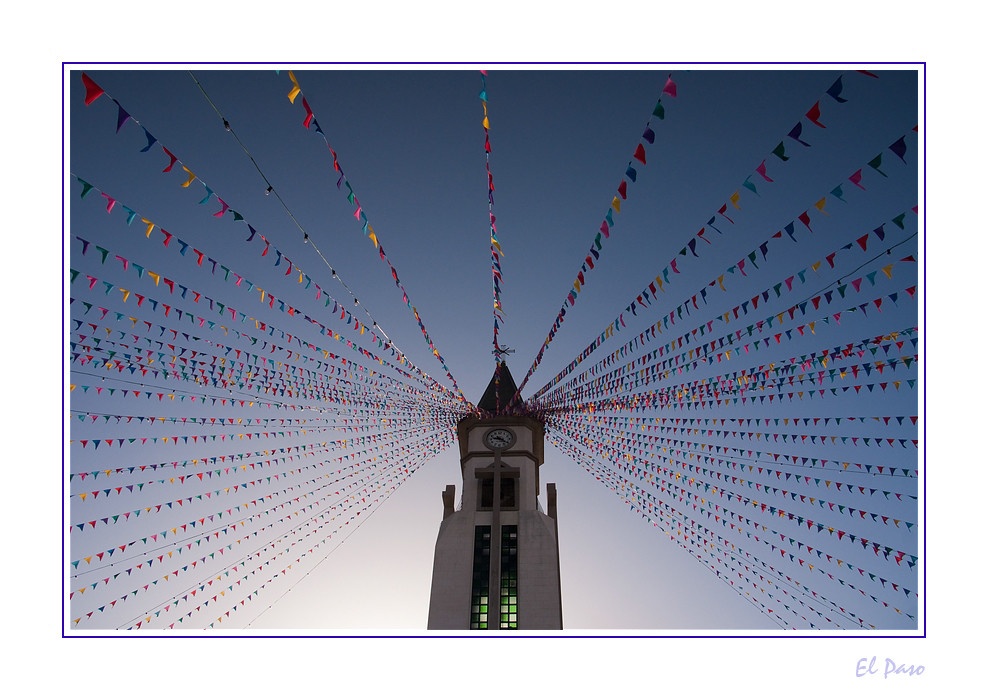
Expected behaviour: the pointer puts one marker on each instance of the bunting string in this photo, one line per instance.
(649, 294)
(630, 175)
(232, 422)
(361, 216)
(496, 252)
(94, 91)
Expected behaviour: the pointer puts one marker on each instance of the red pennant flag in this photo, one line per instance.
(814, 115)
(640, 154)
(623, 189)
(171, 164)
(93, 90)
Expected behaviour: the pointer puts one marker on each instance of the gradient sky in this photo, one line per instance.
(411, 145)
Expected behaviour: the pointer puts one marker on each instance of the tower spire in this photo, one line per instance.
(499, 398)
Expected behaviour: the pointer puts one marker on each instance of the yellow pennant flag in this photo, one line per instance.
(734, 200)
(295, 89)
(150, 227)
(192, 177)
(819, 205)
(616, 205)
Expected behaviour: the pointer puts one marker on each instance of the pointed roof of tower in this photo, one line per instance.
(500, 393)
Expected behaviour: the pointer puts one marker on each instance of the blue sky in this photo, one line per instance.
(411, 145)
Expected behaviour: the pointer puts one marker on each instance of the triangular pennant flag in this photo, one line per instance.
(835, 90)
(122, 117)
(875, 163)
(670, 87)
(814, 115)
(93, 90)
(797, 132)
(780, 151)
(293, 93)
(640, 154)
(899, 148)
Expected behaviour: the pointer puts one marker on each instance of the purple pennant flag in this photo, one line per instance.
(122, 117)
(899, 148)
(649, 135)
(796, 132)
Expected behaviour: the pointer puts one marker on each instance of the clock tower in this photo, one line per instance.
(497, 555)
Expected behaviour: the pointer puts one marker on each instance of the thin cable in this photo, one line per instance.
(305, 236)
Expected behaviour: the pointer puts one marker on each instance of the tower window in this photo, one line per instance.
(479, 598)
(509, 491)
(508, 608)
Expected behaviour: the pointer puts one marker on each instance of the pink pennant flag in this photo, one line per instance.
(670, 87)
(856, 179)
(761, 171)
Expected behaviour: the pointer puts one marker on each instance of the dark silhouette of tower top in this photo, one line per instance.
(499, 398)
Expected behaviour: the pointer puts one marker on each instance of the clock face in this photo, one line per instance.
(499, 438)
